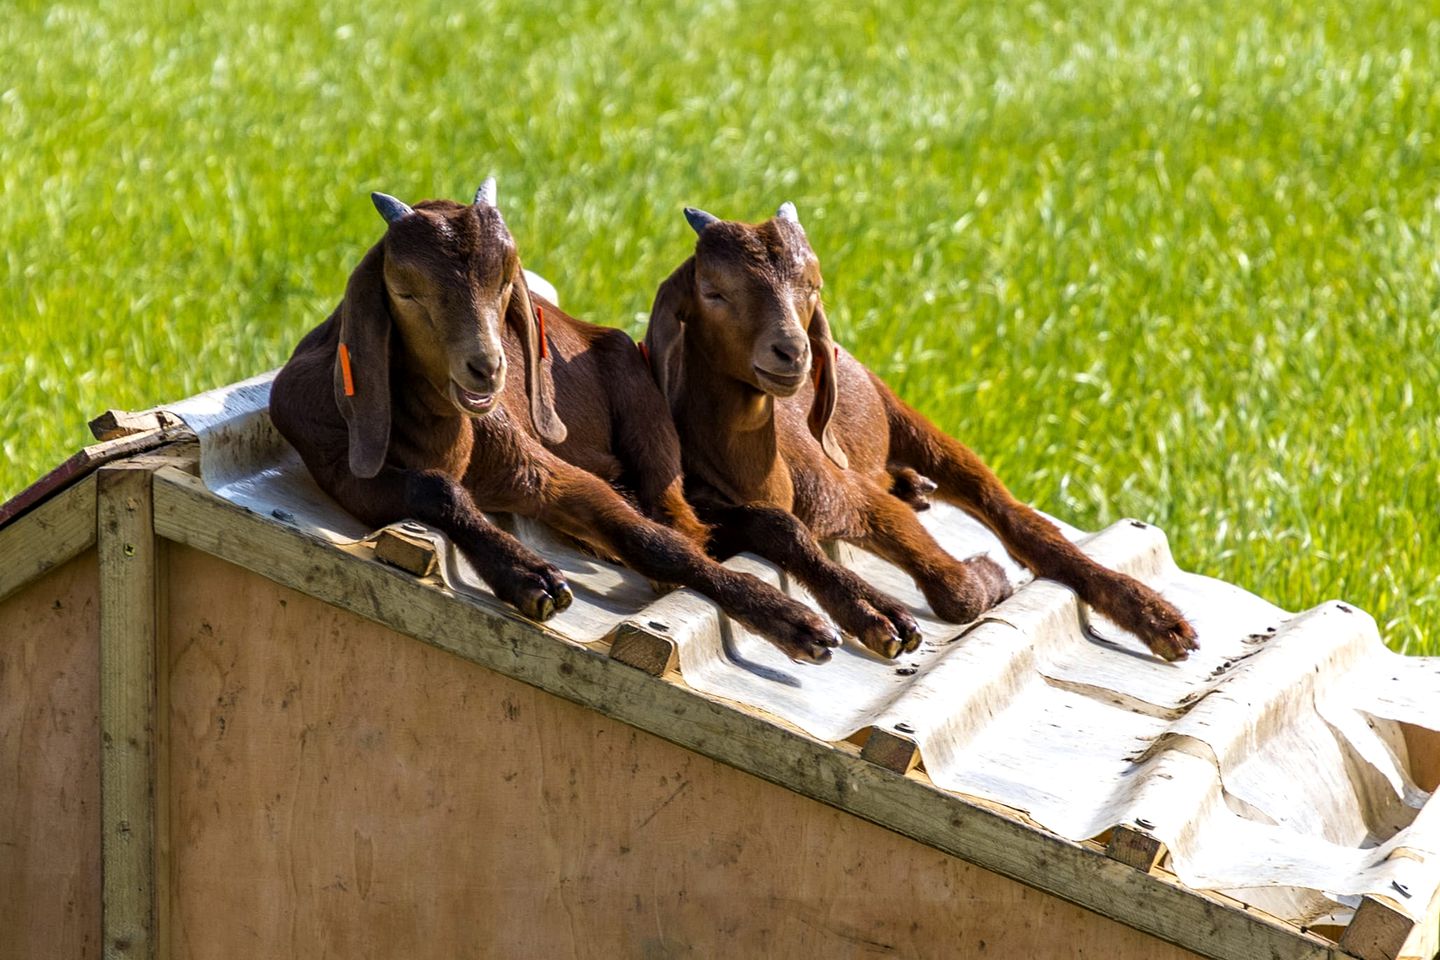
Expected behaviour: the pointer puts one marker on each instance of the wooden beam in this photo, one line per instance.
(113, 424)
(415, 555)
(1135, 848)
(1379, 930)
(58, 530)
(643, 648)
(127, 556)
(484, 633)
(82, 464)
(893, 751)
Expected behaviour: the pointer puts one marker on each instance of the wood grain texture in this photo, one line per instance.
(834, 774)
(341, 790)
(127, 554)
(890, 750)
(412, 554)
(82, 464)
(644, 649)
(1134, 847)
(48, 536)
(50, 755)
(1379, 930)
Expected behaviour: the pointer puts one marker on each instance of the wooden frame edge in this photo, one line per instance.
(49, 535)
(834, 774)
(127, 549)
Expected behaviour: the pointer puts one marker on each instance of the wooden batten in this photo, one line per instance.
(113, 424)
(644, 648)
(53, 533)
(412, 554)
(1135, 848)
(891, 750)
(84, 463)
(128, 611)
(1378, 931)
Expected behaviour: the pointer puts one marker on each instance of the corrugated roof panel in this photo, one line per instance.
(1271, 762)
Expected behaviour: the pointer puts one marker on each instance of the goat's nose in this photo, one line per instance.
(484, 368)
(790, 354)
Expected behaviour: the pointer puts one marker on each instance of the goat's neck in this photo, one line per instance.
(730, 430)
(411, 389)
(426, 431)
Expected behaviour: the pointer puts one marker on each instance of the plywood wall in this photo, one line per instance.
(49, 767)
(342, 791)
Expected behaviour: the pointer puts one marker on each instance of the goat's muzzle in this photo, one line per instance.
(784, 368)
(475, 384)
(469, 402)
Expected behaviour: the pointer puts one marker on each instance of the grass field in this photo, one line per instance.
(1174, 261)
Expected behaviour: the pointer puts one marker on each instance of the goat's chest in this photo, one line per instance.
(825, 503)
(504, 472)
(440, 444)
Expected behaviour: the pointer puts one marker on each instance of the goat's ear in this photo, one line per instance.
(827, 386)
(539, 384)
(674, 306)
(362, 364)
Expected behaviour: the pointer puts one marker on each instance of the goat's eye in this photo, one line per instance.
(714, 295)
(405, 296)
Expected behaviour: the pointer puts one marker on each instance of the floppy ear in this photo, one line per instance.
(827, 386)
(539, 384)
(362, 364)
(674, 306)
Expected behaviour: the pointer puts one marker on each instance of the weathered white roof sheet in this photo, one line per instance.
(1271, 762)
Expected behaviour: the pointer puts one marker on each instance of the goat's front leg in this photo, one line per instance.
(514, 571)
(878, 621)
(964, 480)
(957, 590)
(584, 506)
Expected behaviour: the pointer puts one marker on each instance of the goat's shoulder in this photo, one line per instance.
(302, 397)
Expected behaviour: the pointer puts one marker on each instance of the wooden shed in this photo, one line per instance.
(228, 731)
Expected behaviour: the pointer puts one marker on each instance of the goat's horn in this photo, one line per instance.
(787, 212)
(390, 208)
(699, 219)
(486, 193)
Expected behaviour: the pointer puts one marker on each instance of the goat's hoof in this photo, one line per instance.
(812, 646)
(910, 637)
(905, 629)
(1173, 643)
(563, 596)
(1149, 616)
(540, 604)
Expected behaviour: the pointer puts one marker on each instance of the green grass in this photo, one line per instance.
(1174, 261)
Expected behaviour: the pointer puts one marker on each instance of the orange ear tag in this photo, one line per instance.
(816, 370)
(644, 352)
(540, 322)
(345, 371)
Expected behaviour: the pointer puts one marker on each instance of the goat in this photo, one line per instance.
(400, 406)
(786, 438)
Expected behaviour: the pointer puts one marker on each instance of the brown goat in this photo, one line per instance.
(733, 335)
(400, 406)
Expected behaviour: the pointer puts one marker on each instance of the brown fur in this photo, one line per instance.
(440, 305)
(838, 450)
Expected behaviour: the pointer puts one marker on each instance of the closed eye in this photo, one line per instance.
(715, 295)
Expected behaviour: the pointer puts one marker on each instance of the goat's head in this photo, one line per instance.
(441, 279)
(749, 301)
